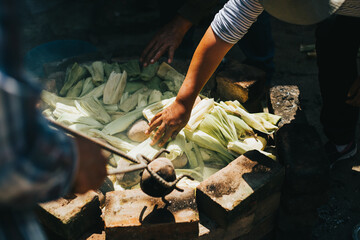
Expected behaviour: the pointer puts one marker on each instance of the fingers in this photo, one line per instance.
(171, 54)
(158, 134)
(168, 133)
(144, 55)
(355, 101)
(354, 88)
(155, 122)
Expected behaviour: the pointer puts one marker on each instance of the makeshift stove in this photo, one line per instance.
(238, 201)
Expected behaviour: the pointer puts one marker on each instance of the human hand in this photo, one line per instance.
(169, 122)
(354, 94)
(166, 39)
(91, 166)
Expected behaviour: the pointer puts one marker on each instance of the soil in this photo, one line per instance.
(129, 24)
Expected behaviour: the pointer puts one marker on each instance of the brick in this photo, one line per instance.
(71, 217)
(235, 190)
(97, 236)
(262, 229)
(131, 214)
(300, 149)
(236, 81)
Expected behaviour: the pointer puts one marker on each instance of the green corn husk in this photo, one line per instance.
(206, 141)
(51, 99)
(218, 125)
(132, 68)
(61, 109)
(73, 75)
(132, 87)
(96, 92)
(242, 129)
(69, 119)
(109, 68)
(176, 147)
(114, 141)
(155, 96)
(271, 118)
(168, 73)
(48, 113)
(96, 70)
(87, 86)
(130, 103)
(123, 122)
(167, 95)
(241, 148)
(91, 107)
(154, 83)
(254, 121)
(80, 127)
(142, 100)
(130, 179)
(75, 90)
(114, 87)
(199, 112)
(149, 71)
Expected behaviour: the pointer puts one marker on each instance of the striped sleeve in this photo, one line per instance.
(37, 163)
(232, 22)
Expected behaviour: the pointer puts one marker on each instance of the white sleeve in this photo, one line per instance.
(232, 22)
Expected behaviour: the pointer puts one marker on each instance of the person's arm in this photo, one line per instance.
(169, 37)
(207, 57)
(224, 32)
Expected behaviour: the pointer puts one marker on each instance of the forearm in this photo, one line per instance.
(205, 60)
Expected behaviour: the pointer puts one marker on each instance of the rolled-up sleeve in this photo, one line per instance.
(232, 22)
(37, 163)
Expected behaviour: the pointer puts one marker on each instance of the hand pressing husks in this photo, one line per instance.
(354, 94)
(167, 39)
(91, 166)
(169, 122)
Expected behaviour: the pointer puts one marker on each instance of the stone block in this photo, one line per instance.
(131, 214)
(300, 149)
(72, 216)
(233, 192)
(285, 102)
(262, 229)
(236, 81)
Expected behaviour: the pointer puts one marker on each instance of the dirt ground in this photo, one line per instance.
(342, 212)
(134, 25)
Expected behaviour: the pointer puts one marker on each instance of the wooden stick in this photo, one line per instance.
(95, 141)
